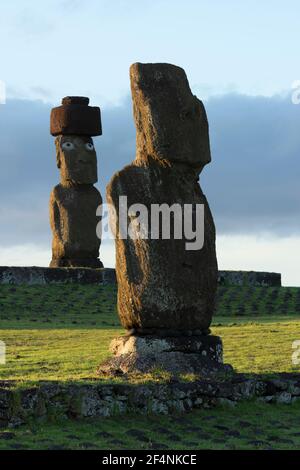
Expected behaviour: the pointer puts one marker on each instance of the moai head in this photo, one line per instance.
(171, 122)
(76, 158)
(73, 124)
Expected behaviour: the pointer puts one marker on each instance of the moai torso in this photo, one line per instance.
(163, 288)
(73, 221)
(74, 202)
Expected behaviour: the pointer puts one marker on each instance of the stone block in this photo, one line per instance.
(75, 117)
(176, 355)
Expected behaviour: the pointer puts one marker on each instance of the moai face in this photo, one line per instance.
(76, 158)
(171, 122)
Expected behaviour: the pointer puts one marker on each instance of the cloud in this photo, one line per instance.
(260, 253)
(29, 168)
(252, 183)
(31, 254)
(240, 252)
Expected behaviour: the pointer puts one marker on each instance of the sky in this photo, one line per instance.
(240, 58)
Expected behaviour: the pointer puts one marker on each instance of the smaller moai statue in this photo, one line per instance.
(74, 202)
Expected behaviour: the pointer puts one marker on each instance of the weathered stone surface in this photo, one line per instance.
(50, 400)
(73, 204)
(161, 285)
(171, 122)
(73, 221)
(35, 275)
(208, 346)
(249, 278)
(75, 117)
(284, 398)
(5, 406)
(197, 354)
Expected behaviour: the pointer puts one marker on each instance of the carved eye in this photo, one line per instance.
(89, 146)
(68, 146)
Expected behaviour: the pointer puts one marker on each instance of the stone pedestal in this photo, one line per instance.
(201, 355)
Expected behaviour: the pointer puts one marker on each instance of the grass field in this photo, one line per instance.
(89, 306)
(62, 332)
(71, 354)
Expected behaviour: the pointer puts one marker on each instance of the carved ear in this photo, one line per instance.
(58, 148)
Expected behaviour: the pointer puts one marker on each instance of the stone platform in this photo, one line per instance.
(44, 275)
(177, 355)
(48, 400)
(249, 278)
(31, 275)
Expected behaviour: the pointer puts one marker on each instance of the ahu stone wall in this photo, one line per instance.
(249, 278)
(81, 400)
(41, 275)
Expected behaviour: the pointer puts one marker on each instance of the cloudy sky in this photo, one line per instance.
(240, 58)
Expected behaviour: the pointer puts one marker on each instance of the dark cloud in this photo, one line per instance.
(252, 183)
(29, 170)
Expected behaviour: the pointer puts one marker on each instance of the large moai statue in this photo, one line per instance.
(166, 292)
(73, 202)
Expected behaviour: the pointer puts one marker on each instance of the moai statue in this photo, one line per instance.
(166, 292)
(73, 202)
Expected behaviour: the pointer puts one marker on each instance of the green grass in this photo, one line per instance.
(58, 306)
(62, 332)
(257, 301)
(72, 354)
(248, 426)
(93, 306)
